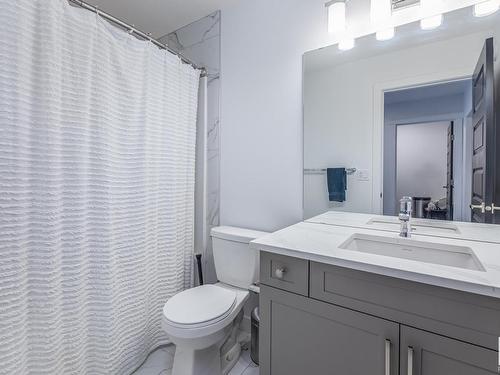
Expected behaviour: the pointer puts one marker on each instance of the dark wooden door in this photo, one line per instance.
(484, 136)
(424, 353)
(303, 336)
(449, 174)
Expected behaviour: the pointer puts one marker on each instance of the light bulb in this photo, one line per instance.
(346, 44)
(385, 34)
(486, 8)
(336, 16)
(430, 23)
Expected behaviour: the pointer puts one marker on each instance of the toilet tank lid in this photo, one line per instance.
(236, 234)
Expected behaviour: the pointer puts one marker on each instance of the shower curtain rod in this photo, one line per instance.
(132, 30)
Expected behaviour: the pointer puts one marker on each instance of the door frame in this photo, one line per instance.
(379, 90)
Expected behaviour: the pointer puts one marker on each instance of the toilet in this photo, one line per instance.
(203, 321)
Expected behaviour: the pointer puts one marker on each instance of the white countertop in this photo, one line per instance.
(320, 242)
(465, 231)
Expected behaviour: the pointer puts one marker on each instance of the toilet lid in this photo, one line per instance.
(202, 304)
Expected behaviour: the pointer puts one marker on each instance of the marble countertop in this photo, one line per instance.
(463, 230)
(321, 243)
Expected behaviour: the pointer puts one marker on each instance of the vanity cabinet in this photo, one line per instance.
(303, 336)
(322, 319)
(424, 353)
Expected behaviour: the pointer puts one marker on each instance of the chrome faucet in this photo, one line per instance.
(405, 216)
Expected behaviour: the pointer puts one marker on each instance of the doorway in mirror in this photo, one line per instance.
(427, 153)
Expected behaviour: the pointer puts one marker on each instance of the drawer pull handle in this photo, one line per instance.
(410, 360)
(387, 357)
(280, 272)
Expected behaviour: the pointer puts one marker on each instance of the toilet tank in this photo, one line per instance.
(235, 263)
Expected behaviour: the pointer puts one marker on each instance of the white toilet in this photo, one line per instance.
(203, 322)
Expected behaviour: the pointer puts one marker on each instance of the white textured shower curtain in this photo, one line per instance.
(97, 163)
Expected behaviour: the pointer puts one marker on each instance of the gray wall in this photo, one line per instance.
(421, 160)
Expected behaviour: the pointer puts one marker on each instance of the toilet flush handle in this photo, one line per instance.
(280, 272)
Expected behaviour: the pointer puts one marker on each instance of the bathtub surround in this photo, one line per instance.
(200, 42)
(97, 159)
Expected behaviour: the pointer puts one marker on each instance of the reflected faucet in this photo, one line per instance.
(405, 216)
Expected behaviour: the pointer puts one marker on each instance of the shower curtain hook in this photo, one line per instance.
(150, 35)
(132, 30)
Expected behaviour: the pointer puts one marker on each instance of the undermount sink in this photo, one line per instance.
(418, 226)
(427, 252)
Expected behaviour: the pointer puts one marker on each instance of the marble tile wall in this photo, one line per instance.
(200, 42)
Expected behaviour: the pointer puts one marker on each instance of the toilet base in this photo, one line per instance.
(197, 362)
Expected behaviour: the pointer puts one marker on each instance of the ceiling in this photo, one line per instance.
(159, 17)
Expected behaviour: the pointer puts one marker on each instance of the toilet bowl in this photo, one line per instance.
(203, 320)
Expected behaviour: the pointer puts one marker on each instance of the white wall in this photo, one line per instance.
(421, 160)
(261, 129)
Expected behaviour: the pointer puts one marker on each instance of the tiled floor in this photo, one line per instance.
(161, 360)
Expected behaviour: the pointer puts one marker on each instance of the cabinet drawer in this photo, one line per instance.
(464, 316)
(284, 272)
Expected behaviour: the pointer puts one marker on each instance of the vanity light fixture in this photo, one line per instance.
(385, 34)
(346, 44)
(336, 15)
(431, 23)
(486, 8)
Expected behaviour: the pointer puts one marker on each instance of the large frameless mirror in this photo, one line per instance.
(412, 116)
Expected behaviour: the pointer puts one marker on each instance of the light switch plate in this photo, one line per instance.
(363, 175)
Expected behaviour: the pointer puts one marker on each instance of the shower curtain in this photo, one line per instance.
(97, 172)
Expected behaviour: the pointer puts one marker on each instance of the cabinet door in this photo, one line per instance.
(424, 353)
(302, 336)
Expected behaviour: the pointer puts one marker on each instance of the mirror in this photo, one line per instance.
(413, 116)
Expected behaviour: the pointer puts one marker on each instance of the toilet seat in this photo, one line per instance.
(212, 324)
(199, 307)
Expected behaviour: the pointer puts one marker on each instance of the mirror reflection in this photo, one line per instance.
(415, 117)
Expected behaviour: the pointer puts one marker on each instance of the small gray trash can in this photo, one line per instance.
(420, 207)
(254, 343)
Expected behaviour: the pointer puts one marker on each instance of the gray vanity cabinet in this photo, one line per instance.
(304, 336)
(424, 353)
(323, 319)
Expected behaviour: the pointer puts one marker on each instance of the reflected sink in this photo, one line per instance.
(427, 252)
(418, 226)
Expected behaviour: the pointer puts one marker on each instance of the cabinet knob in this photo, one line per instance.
(280, 272)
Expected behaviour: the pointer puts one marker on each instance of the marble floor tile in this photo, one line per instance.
(160, 362)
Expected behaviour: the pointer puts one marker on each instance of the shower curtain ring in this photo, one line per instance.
(132, 30)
